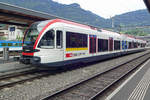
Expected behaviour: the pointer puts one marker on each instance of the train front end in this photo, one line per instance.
(28, 46)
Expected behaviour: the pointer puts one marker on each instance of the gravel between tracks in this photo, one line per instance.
(41, 87)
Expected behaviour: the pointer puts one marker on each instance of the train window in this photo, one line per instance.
(59, 38)
(102, 45)
(143, 44)
(117, 45)
(135, 44)
(47, 40)
(76, 40)
(139, 44)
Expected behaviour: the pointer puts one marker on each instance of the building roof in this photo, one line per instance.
(11, 14)
(15, 15)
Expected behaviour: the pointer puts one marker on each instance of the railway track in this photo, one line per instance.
(12, 79)
(94, 86)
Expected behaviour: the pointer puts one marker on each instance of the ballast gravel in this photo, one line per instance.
(38, 88)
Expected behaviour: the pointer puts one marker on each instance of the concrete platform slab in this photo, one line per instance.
(136, 87)
(13, 66)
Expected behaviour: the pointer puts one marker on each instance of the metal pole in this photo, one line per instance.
(6, 53)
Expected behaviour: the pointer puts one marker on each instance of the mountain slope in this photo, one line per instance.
(72, 12)
(76, 13)
(134, 18)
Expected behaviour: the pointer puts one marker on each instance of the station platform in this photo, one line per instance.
(136, 87)
(11, 59)
(11, 65)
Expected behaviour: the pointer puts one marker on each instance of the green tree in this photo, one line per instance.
(135, 32)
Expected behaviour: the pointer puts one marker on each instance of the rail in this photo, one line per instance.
(92, 87)
(21, 77)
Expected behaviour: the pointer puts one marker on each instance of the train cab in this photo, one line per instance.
(42, 44)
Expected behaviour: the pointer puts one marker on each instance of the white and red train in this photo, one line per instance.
(57, 42)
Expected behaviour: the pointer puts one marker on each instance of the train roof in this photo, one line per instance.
(69, 22)
(100, 31)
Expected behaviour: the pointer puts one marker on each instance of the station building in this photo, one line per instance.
(11, 32)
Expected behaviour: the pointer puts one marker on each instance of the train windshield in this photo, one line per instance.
(31, 35)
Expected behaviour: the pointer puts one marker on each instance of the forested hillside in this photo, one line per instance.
(73, 11)
(76, 13)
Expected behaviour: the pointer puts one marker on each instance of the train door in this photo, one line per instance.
(123, 45)
(111, 44)
(126, 45)
(59, 48)
(51, 46)
(92, 44)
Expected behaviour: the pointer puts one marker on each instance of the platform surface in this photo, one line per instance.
(11, 66)
(11, 59)
(136, 87)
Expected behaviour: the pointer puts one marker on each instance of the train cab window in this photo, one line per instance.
(59, 38)
(47, 40)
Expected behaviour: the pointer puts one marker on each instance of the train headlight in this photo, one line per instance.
(36, 60)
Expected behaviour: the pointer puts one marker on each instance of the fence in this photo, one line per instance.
(10, 44)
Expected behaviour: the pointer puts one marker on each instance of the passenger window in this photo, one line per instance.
(47, 40)
(59, 38)
(76, 40)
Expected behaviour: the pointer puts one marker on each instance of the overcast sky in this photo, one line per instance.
(107, 8)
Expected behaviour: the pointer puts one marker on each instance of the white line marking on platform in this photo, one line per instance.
(123, 84)
(140, 90)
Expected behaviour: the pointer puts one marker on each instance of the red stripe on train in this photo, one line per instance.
(69, 55)
(27, 54)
